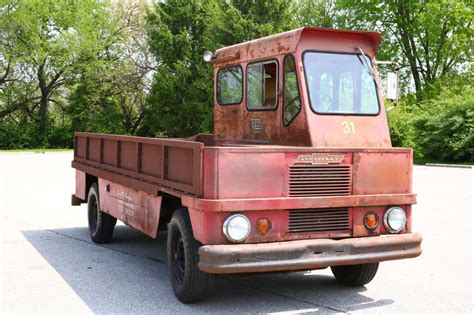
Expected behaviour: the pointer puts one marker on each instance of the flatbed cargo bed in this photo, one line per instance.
(147, 164)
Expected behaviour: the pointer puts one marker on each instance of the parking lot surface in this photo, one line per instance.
(50, 264)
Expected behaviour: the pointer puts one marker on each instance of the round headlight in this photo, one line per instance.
(395, 219)
(236, 228)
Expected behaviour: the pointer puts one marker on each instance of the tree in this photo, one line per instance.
(180, 98)
(119, 80)
(42, 45)
(430, 37)
(320, 13)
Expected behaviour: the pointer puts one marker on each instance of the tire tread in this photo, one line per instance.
(195, 283)
(105, 224)
(355, 275)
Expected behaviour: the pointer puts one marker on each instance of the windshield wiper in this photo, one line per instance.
(365, 62)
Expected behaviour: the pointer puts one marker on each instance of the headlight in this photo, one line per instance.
(236, 228)
(395, 219)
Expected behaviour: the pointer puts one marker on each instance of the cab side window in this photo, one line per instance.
(229, 86)
(262, 85)
(291, 93)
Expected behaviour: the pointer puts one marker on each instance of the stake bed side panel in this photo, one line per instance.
(146, 164)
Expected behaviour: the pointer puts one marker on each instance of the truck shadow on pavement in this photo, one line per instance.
(130, 275)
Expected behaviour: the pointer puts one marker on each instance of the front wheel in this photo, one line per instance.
(355, 275)
(189, 283)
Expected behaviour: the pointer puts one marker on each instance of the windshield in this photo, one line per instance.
(340, 84)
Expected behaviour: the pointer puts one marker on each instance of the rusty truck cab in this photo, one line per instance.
(306, 87)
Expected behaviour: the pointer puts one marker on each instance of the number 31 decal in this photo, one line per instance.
(348, 127)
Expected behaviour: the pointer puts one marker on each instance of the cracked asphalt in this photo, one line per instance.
(49, 263)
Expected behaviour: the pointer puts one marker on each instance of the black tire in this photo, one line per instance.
(101, 224)
(189, 283)
(355, 275)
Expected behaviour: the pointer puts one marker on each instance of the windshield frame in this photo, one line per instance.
(376, 84)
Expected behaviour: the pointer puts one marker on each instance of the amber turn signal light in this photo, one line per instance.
(263, 225)
(371, 221)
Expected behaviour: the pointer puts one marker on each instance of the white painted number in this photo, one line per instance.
(348, 127)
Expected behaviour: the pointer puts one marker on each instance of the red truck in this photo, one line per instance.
(299, 174)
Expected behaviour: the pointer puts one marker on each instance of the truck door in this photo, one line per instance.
(262, 100)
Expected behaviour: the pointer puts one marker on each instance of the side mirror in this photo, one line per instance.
(392, 86)
(393, 89)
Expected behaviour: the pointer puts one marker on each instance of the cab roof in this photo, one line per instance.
(288, 42)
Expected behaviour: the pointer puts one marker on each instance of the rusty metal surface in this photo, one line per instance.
(307, 254)
(118, 178)
(135, 208)
(319, 220)
(383, 173)
(319, 180)
(296, 223)
(255, 180)
(265, 171)
(204, 227)
(171, 163)
(233, 123)
(81, 185)
(287, 42)
(225, 205)
(359, 229)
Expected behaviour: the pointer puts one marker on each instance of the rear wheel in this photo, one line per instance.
(189, 283)
(101, 225)
(355, 275)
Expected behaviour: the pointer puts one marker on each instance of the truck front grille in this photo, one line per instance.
(318, 220)
(319, 180)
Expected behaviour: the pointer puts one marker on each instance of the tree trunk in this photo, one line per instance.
(43, 108)
(43, 114)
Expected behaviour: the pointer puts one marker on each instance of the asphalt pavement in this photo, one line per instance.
(49, 263)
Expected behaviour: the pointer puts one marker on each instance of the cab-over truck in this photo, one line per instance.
(299, 173)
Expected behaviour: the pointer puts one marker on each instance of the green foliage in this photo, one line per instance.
(92, 110)
(180, 100)
(44, 42)
(440, 128)
(13, 136)
(445, 129)
(401, 128)
(71, 65)
(320, 13)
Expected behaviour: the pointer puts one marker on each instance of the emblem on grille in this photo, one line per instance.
(320, 158)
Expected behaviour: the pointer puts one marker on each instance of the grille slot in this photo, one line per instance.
(317, 180)
(318, 220)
